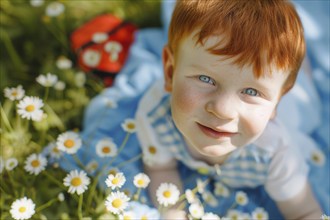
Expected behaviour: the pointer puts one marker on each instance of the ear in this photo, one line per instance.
(168, 67)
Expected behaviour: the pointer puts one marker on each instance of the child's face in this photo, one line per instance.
(216, 105)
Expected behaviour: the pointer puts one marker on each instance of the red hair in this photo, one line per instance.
(260, 33)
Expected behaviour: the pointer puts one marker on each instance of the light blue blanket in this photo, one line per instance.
(305, 109)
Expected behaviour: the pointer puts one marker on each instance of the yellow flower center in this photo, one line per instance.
(22, 209)
(144, 217)
(315, 158)
(112, 172)
(131, 126)
(14, 93)
(152, 150)
(167, 194)
(35, 163)
(29, 108)
(117, 203)
(259, 216)
(56, 150)
(76, 181)
(115, 180)
(106, 150)
(140, 182)
(68, 143)
(126, 217)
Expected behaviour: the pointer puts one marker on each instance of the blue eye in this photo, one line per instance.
(251, 92)
(206, 79)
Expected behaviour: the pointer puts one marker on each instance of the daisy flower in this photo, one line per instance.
(99, 37)
(59, 86)
(234, 214)
(113, 48)
(91, 58)
(106, 148)
(210, 199)
(54, 152)
(35, 163)
(30, 108)
(36, 3)
(325, 217)
(14, 93)
(80, 79)
(241, 198)
(221, 190)
(63, 63)
(116, 202)
(127, 215)
(92, 166)
(69, 142)
(167, 194)
(129, 125)
(54, 9)
(210, 216)
(141, 180)
(48, 80)
(317, 157)
(60, 197)
(259, 214)
(11, 163)
(115, 181)
(22, 208)
(196, 210)
(200, 186)
(190, 196)
(77, 181)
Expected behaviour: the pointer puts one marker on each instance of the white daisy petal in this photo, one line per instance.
(210, 216)
(47, 80)
(77, 181)
(115, 181)
(116, 202)
(14, 93)
(241, 198)
(35, 163)
(260, 214)
(23, 208)
(54, 9)
(106, 148)
(69, 142)
(167, 194)
(196, 210)
(11, 163)
(63, 63)
(30, 108)
(141, 180)
(129, 125)
(91, 58)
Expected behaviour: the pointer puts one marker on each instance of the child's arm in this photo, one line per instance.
(160, 174)
(302, 206)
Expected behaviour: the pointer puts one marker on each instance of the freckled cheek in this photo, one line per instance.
(183, 101)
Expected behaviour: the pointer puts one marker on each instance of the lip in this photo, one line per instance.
(214, 133)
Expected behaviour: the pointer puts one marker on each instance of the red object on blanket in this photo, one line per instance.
(102, 45)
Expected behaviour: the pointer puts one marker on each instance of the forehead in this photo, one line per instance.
(190, 51)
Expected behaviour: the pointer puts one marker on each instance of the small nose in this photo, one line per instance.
(223, 106)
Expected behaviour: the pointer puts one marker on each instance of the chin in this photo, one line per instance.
(217, 151)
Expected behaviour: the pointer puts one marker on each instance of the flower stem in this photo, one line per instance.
(5, 119)
(46, 205)
(80, 206)
(129, 161)
(50, 177)
(46, 94)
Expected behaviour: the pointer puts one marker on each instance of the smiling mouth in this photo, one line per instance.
(215, 134)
